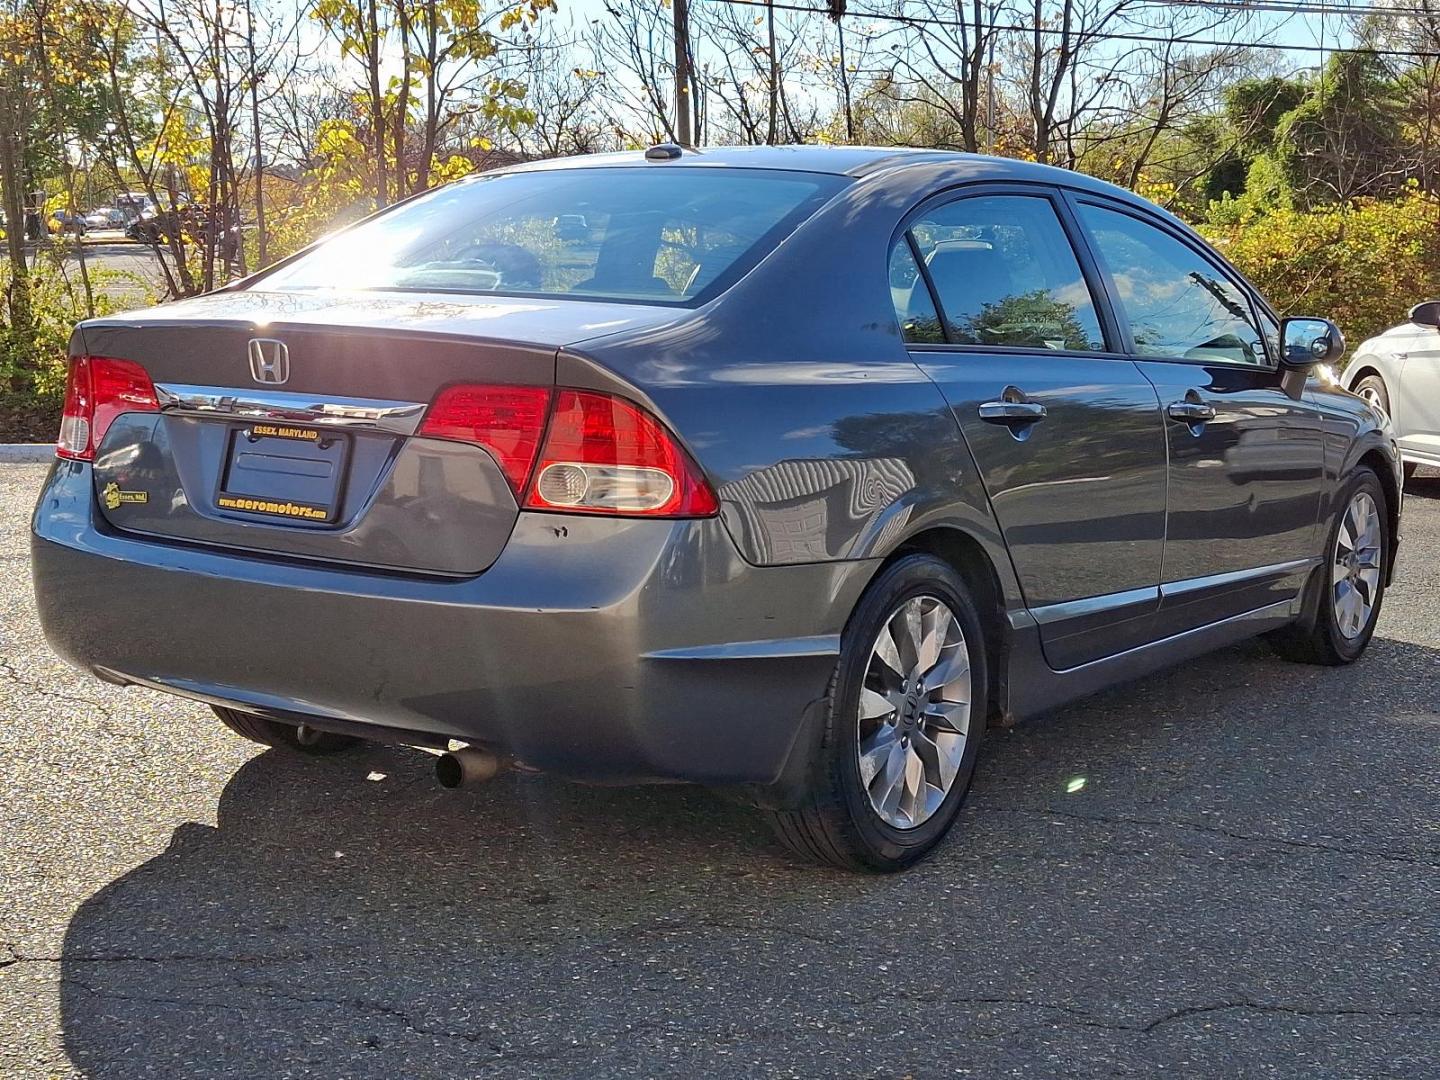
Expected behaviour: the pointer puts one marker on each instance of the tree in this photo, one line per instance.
(562, 100)
(1347, 137)
(945, 61)
(451, 57)
(17, 77)
(632, 44)
(1362, 263)
(744, 83)
(49, 99)
(1083, 62)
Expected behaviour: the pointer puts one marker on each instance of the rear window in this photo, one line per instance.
(657, 234)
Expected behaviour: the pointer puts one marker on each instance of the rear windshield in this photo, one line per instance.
(658, 234)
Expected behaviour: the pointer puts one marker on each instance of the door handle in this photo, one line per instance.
(1012, 412)
(1191, 412)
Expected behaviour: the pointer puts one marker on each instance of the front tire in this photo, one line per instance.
(301, 739)
(1352, 579)
(1372, 389)
(903, 721)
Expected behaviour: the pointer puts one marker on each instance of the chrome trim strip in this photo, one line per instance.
(1175, 590)
(773, 649)
(395, 417)
(1110, 604)
(1105, 604)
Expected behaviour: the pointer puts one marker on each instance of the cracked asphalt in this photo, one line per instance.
(1245, 885)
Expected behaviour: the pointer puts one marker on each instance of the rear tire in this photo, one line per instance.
(918, 730)
(1336, 636)
(304, 740)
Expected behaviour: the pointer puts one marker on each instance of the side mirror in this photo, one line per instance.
(1426, 314)
(1309, 341)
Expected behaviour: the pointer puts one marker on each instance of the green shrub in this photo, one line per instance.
(1363, 264)
(32, 366)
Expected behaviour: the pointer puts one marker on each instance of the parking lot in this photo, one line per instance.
(132, 274)
(1228, 870)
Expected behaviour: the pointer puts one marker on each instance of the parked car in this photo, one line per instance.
(799, 471)
(62, 221)
(191, 220)
(104, 217)
(133, 204)
(153, 227)
(572, 228)
(1398, 372)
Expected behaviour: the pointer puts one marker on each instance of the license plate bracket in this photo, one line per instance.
(284, 472)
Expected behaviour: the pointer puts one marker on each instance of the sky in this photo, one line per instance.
(1307, 36)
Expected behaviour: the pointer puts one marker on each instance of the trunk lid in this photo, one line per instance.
(288, 420)
(361, 344)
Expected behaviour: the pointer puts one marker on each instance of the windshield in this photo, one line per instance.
(656, 234)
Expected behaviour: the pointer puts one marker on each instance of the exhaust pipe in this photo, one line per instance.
(469, 765)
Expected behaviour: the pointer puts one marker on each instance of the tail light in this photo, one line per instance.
(601, 454)
(97, 390)
(606, 455)
(506, 420)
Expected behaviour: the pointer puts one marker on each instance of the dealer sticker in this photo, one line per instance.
(274, 507)
(114, 498)
(277, 431)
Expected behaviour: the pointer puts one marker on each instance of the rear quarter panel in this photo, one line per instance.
(795, 393)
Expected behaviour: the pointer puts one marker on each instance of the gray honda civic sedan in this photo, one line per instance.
(782, 470)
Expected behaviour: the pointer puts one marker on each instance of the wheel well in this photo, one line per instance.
(965, 555)
(1362, 372)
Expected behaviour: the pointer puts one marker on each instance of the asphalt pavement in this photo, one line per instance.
(1228, 870)
(129, 273)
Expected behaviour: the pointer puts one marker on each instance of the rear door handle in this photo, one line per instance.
(1191, 412)
(1012, 412)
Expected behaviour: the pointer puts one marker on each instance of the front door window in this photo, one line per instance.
(1178, 303)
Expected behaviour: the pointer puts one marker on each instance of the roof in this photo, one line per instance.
(855, 161)
(839, 160)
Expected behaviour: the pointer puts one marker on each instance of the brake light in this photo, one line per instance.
(606, 455)
(506, 420)
(97, 390)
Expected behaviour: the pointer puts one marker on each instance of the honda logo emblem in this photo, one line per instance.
(269, 361)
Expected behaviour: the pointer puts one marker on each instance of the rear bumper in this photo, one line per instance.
(625, 650)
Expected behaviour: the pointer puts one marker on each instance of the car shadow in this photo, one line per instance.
(1425, 484)
(345, 917)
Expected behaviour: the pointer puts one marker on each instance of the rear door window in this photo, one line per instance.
(660, 234)
(1005, 274)
(1179, 303)
(914, 306)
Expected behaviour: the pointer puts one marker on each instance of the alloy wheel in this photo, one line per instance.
(914, 713)
(1371, 397)
(1355, 565)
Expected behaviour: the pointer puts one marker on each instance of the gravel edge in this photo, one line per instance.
(27, 453)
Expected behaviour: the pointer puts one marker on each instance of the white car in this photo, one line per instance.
(1399, 372)
(103, 217)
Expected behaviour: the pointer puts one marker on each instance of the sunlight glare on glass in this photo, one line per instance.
(355, 261)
